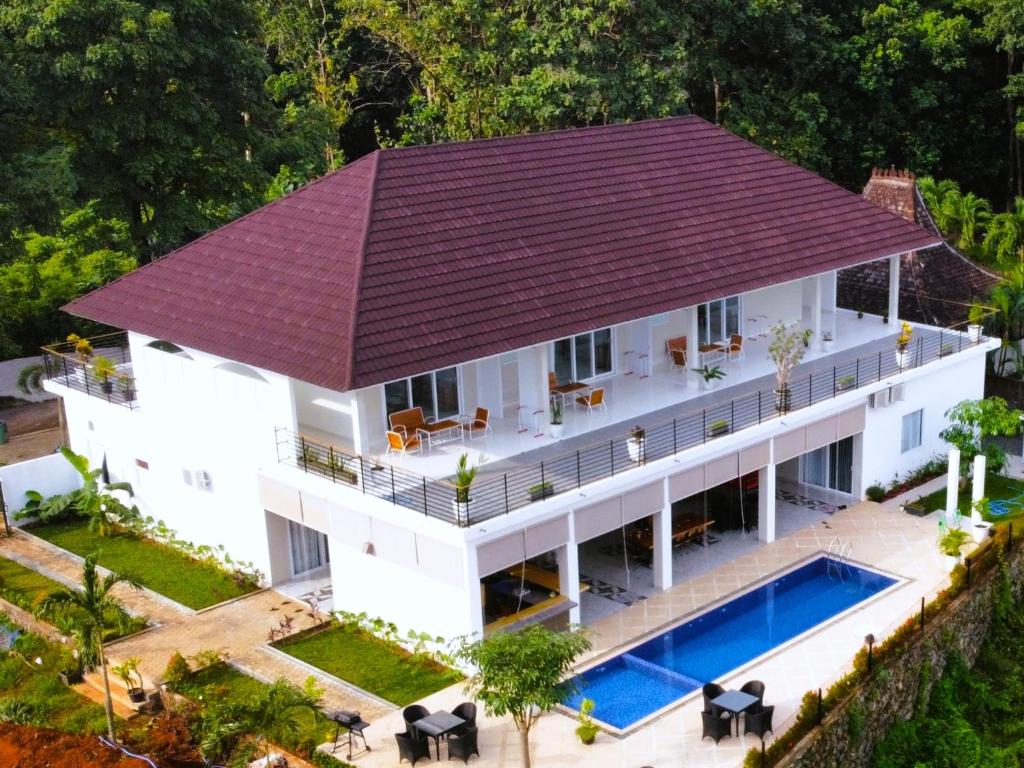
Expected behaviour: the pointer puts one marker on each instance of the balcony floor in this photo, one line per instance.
(656, 399)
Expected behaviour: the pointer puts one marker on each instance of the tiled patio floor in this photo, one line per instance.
(881, 537)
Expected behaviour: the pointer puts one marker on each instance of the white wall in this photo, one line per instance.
(50, 475)
(935, 393)
(325, 415)
(779, 302)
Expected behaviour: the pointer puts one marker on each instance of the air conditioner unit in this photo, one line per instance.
(881, 399)
(186, 476)
(203, 481)
(896, 393)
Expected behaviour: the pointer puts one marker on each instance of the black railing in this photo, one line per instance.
(496, 495)
(85, 368)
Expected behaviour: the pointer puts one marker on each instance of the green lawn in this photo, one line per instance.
(34, 694)
(997, 487)
(371, 664)
(26, 588)
(157, 566)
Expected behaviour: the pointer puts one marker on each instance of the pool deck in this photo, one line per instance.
(882, 537)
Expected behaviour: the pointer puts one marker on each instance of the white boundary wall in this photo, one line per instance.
(50, 475)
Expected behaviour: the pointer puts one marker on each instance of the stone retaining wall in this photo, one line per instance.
(848, 735)
(30, 623)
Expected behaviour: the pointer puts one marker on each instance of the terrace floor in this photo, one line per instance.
(882, 537)
(656, 399)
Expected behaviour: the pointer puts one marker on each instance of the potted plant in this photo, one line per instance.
(541, 491)
(950, 544)
(975, 315)
(903, 345)
(128, 673)
(945, 349)
(808, 333)
(844, 383)
(710, 376)
(827, 341)
(336, 466)
(636, 442)
(70, 667)
(464, 477)
(860, 315)
(556, 426)
(885, 319)
(82, 347)
(127, 384)
(587, 729)
(103, 370)
(719, 427)
(980, 528)
(786, 351)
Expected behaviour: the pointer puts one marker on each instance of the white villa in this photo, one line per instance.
(299, 384)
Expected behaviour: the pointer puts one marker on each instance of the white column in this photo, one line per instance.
(766, 504)
(894, 289)
(662, 524)
(533, 385)
(692, 343)
(474, 593)
(568, 557)
(952, 481)
(816, 324)
(977, 487)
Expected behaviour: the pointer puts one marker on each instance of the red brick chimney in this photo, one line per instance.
(893, 190)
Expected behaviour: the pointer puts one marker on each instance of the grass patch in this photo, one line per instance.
(156, 566)
(371, 664)
(997, 487)
(33, 694)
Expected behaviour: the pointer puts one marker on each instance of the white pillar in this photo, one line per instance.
(816, 324)
(952, 482)
(474, 593)
(692, 344)
(533, 385)
(894, 289)
(766, 504)
(568, 558)
(978, 487)
(662, 561)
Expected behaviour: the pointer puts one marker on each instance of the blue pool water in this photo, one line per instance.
(635, 684)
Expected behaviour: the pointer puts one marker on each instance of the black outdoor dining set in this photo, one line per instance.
(457, 729)
(722, 706)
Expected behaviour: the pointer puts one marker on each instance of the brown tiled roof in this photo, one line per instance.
(418, 258)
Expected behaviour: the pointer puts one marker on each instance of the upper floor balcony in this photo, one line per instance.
(100, 366)
(520, 462)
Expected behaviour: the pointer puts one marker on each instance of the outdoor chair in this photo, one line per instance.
(467, 711)
(399, 443)
(412, 749)
(678, 359)
(411, 714)
(463, 744)
(755, 688)
(479, 424)
(711, 691)
(735, 350)
(715, 727)
(759, 723)
(594, 400)
(552, 380)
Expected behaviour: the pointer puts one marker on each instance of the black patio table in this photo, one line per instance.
(437, 725)
(734, 702)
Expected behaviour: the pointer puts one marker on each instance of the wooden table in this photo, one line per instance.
(570, 389)
(541, 577)
(681, 533)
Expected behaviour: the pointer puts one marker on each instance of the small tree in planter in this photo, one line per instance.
(786, 350)
(83, 349)
(951, 543)
(520, 673)
(903, 345)
(587, 728)
(128, 673)
(636, 443)
(464, 477)
(103, 370)
(975, 317)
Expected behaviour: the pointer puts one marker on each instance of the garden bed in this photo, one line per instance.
(156, 566)
(997, 487)
(377, 667)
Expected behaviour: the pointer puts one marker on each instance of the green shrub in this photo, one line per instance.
(875, 493)
(177, 672)
(22, 712)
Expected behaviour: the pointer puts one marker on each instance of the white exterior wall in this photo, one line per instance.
(963, 378)
(778, 302)
(49, 475)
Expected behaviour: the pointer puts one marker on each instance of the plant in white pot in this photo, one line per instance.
(828, 341)
(464, 477)
(786, 350)
(555, 426)
(951, 544)
(709, 376)
(975, 315)
(979, 527)
(903, 345)
(636, 442)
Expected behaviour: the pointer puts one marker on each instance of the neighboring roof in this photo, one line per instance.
(418, 258)
(936, 284)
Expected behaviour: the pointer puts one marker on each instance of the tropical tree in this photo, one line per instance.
(30, 379)
(973, 422)
(240, 732)
(92, 611)
(522, 673)
(1004, 241)
(1007, 322)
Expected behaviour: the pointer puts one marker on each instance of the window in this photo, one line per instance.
(583, 357)
(912, 424)
(437, 393)
(830, 466)
(718, 320)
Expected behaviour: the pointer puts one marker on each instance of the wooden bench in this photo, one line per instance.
(541, 577)
(682, 532)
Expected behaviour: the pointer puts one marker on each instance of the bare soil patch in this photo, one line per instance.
(25, 747)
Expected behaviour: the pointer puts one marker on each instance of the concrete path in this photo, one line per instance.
(238, 628)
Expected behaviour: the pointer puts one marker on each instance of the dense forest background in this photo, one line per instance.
(128, 127)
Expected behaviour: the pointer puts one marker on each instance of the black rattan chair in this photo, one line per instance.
(755, 688)
(412, 713)
(467, 711)
(711, 691)
(463, 744)
(759, 723)
(714, 726)
(412, 749)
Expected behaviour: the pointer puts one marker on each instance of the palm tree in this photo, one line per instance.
(973, 214)
(92, 611)
(1007, 298)
(1004, 240)
(242, 732)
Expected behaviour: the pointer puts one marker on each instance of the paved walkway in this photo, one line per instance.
(238, 628)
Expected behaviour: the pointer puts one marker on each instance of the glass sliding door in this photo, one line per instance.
(815, 467)
(602, 352)
(436, 393)
(422, 392)
(718, 320)
(583, 357)
(829, 467)
(563, 360)
(308, 549)
(446, 393)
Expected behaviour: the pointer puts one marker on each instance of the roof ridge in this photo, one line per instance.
(364, 236)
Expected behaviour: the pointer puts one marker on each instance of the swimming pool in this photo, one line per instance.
(629, 687)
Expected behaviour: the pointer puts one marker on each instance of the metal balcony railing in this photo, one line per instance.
(495, 495)
(101, 367)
